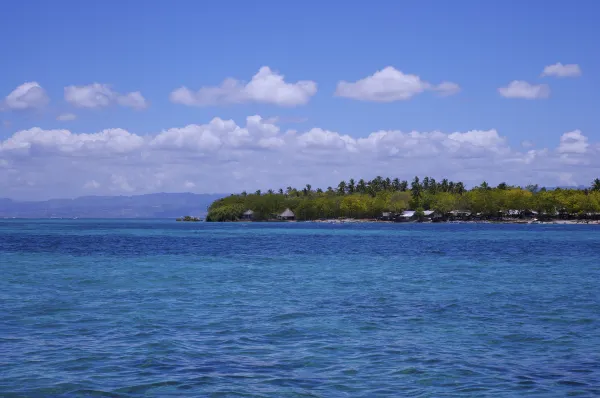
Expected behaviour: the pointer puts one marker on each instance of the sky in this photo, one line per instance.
(132, 97)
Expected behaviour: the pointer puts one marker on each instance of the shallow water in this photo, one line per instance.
(159, 308)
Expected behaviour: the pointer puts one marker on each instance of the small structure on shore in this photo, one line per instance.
(412, 215)
(248, 215)
(387, 216)
(287, 215)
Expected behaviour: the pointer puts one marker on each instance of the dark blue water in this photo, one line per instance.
(158, 308)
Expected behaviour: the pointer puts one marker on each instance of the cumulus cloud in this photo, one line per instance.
(66, 117)
(27, 96)
(573, 142)
(560, 70)
(133, 100)
(224, 156)
(389, 85)
(39, 142)
(523, 89)
(98, 95)
(266, 86)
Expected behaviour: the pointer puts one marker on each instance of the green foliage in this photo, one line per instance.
(369, 199)
(188, 219)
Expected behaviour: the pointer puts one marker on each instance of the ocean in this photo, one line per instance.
(156, 308)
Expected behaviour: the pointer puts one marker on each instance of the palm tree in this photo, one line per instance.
(403, 185)
(432, 186)
(444, 186)
(280, 191)
(342, 188)
(485, 186)
(270, 192)
(377, 183)
(396, 184)
(415, 188)
(596, 185)
(362, 186)
(257, 192)
(387, 183)
(459, 188)
(351, 186)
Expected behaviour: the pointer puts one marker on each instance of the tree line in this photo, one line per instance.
(370, 199)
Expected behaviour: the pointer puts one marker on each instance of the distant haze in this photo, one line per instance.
(157, 205)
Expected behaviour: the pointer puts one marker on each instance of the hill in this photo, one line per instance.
(157, 205)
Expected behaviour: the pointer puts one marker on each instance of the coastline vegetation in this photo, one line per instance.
(390, 197)
(188, 219)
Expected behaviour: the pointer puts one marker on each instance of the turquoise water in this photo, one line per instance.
(159, 308)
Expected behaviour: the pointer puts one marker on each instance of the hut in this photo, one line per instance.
(409, 215)
(248, 215)
(387, 216)
(287, 215)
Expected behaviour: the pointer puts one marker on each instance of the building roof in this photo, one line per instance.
(411, 213)
(287, 213)
(455, 212)
(248, 213)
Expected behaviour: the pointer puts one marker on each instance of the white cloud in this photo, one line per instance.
(573, 142)
(222, 156)
(390, 84)
(522, 89)
(527, 144)
(92, 184)
(133, 100)
(560, 70)
(26, 96)
(66, 117)
(266, 86)
(120, 183)
(98, 95)
(37, 141)
(447, 88)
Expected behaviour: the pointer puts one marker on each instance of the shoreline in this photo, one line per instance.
(375, 221)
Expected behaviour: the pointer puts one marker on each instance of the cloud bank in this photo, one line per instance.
(222, 156)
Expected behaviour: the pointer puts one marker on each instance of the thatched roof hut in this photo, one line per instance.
(287, 215)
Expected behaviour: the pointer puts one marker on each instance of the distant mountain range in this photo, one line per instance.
(157, 205)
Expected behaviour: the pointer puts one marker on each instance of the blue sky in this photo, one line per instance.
(157, 47)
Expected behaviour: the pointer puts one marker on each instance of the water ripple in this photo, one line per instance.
(135, 309)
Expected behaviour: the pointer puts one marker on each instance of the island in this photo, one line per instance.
(188, 219)
(392, 200)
